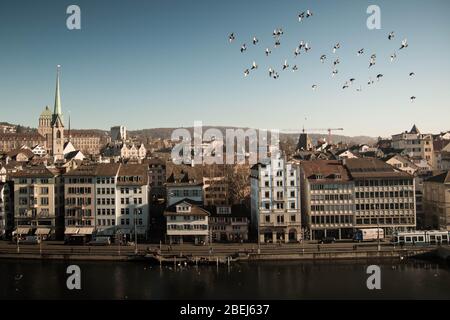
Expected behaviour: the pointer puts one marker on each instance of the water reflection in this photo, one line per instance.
(269, 280)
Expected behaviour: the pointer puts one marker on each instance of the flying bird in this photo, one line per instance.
(372, 62)
(393, 56)
(352, 80)
(271, 72)
(412, 74)
(370, 81)
(413, 98)
(360, 52)
(301, 45)
(334, 73)
(285, 65)
(307, 47)
(294, 68)
(277, 43)
(391, 35)
(314, 86)
(254, 66)
(297, 51)
(322, 58)
(336, 62)
(301, 16)
(255, 40)
(379, 76)
(246, 72)
(268, 52)
(404, 44)
(231, 37)
(243, 47)
(336, 46)
(359, 89)
(308, 13)
(345, 85)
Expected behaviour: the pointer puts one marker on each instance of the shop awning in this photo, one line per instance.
(71, 230)
(86, 230)
(42, 231)
(21, 230)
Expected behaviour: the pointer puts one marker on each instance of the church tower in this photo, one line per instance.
(45, 127)
(57, 124)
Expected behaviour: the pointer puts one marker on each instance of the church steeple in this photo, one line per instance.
(57, 124)
(57, 109)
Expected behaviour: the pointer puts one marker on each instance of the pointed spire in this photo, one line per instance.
(57, 109)
(414, 130)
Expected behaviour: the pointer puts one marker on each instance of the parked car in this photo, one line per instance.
(328, 240)
(100, 241)
(30, 240)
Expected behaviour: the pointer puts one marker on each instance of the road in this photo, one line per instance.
(187, 249)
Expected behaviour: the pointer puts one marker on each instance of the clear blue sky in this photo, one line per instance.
(166, 63)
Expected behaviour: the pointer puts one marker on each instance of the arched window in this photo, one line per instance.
(58, 134)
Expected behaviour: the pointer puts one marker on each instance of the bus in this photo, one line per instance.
(421, 237)
(372, 234)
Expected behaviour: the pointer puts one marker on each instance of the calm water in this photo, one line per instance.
(268, 280)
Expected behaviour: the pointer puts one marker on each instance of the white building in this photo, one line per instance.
(414, 144)
(39, 150)
(187, 221)
(132, 195)
(183, 188)
(275, 201)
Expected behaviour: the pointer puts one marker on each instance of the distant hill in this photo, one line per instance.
(165, 133)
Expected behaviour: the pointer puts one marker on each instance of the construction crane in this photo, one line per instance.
(329, 130)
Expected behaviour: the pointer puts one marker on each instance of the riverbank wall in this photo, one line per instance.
(221, 259)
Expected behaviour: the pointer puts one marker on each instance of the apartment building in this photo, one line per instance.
(187, 221)
(156, 178)
(275, 201)
(215, 191)
(38, 202)
(229, 223)
(182, 187)
(132, 203)
(80, 195)
(6, 214)
(436, 201)
(415, 144)
(327, 199)
(106, 198)
(384, 197)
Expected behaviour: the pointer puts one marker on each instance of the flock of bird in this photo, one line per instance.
(306, 47)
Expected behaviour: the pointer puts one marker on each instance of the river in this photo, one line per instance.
(263, 280)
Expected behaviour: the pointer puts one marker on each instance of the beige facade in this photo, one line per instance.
(38, 201)
(436, 201)
(79, 190)
(415, 144)
(327, 200)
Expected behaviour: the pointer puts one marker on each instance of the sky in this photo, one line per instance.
(168, 63)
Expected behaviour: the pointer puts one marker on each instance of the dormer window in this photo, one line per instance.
(223, 210)
(183, 208)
